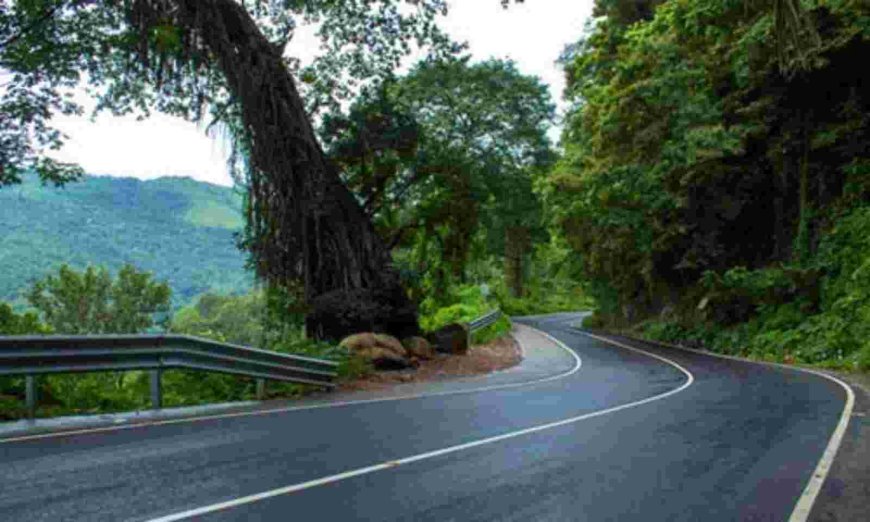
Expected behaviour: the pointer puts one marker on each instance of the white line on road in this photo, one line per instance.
(804, 505)
(436, 453)
(141, 425)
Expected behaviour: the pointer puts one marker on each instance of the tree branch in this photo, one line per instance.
(33, 25)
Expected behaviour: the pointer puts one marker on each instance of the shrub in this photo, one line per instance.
(469, 303)
(593, 321)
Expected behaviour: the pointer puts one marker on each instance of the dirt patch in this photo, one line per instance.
(496, 355)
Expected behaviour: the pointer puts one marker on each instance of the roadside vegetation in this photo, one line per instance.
(716, 178)
(93, 301)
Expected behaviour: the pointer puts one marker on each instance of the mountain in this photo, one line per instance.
(178, 228)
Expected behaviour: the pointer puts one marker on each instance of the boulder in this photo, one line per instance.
(452, 339)
(391, 343)
(419, 347)
(384, 351)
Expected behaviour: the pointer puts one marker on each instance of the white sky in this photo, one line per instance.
(533, 34)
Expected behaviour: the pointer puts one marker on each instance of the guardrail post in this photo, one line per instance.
(30, 393)
(156, 392)
(261, 389)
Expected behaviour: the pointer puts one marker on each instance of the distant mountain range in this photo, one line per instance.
(180, 229)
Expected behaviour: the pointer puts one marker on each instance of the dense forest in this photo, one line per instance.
(179, 229)
(716, 174)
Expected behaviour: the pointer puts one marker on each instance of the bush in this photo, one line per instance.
(593, 321)
(469, 304)
(862, 362)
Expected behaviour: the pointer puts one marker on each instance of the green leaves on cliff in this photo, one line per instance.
(723, 140)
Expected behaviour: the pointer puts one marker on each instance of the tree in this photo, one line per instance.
(181, 56)
(444, 157)
(20, 324)
(247, 319)
(496, 119)
(91, 302)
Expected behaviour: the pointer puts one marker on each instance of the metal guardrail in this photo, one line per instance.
(484, 321)
(49, 354)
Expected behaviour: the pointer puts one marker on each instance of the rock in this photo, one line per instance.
(419, 347)
(452, 339)
(391, 343)
(358, 341)
(384, 351)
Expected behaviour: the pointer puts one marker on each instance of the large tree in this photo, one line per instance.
(224, 59)
(443, 159)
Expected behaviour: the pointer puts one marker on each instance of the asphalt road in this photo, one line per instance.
(627, 437)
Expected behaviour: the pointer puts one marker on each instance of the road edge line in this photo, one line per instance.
(264, 495)
(810, 493)
(285, 409)
(807, 500)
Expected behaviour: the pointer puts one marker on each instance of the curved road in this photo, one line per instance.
(630, 436)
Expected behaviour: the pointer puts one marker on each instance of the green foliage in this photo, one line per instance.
(592, 322)
(675, 146)
(553, 283)
(268, 319)
(20, 324)
(93, 302)
(713, 175)
(442, 159)
(468, 303)
(176, 228)
(46, 46)
(739, 293)
(258, 319)
(262, 319)
(833, 335)
(12, 388)
(236, 319)
(87, 302)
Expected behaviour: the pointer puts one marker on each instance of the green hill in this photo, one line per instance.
(178, 228)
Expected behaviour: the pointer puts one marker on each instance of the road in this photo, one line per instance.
(627, 435)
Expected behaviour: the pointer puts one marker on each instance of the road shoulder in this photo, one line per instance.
(543, 359)
(844, 494)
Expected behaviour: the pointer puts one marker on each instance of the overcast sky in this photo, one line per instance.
(533, 34)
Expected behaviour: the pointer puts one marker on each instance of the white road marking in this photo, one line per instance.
(436, 453)
(814, 486)
(140, 425)
(805, 503)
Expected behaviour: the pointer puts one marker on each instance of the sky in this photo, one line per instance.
(533, 34)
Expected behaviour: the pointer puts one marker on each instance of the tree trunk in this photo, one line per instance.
(802, 237)
(303, 223)
(780, 189)
(516, 243)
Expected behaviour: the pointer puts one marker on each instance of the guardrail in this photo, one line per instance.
(36, 355)
(482, 322)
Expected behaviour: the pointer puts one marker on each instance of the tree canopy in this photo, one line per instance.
(443, 159)
(712, 150)
(92, 301)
